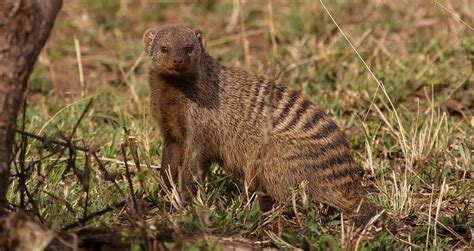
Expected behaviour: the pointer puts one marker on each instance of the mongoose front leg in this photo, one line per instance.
(194, 170)
(171, 160)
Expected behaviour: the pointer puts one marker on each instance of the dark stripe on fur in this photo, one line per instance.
(335, 160)
(319, 150)
(325, 131)
(304, 106)
(289, 104)
(314, 120)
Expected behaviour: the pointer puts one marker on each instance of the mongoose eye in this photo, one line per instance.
(164, 49)
(188, 49)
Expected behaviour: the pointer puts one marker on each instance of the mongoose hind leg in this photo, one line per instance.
(342, 191)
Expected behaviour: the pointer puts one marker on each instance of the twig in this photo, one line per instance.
(137, 214)
(86, 182)
(22, 172)
(22, 157)
(68, 143)
(68, 206)
(30, 197)
(107, 175)
(45, 139)
(86, 109)
(94, 214)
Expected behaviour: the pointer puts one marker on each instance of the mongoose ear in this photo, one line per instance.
(200, 35)
(148, 39)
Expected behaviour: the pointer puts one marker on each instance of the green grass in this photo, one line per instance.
(417, 154)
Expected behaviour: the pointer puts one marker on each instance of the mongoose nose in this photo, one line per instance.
(178, 61)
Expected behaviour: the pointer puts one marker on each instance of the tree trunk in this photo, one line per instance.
(24, 27)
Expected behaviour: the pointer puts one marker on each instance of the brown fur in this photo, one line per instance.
(209, 113)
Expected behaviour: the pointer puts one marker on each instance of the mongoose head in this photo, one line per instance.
(175, 50)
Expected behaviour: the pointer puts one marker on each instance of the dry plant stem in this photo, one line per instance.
(130, 85)
(298, 218)
(234, 37)
(454, 14)
(77, 46)
(245, 41)
(234, 16)
(275, 238)
(24, 29)
(440, 199)
(134, 150)
(135, 65)
(429, 220)
(129, 180)
(119, 162)
(409, 243)
(271, 24)
(449, 229)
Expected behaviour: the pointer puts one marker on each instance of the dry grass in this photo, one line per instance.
(396, 76)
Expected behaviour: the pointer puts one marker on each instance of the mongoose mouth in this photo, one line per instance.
(176, 70)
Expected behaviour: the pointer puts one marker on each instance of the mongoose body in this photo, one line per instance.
(269, 135)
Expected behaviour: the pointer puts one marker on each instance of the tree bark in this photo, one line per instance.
(24, 28)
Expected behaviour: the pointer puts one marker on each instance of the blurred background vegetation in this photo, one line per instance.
(411, 133)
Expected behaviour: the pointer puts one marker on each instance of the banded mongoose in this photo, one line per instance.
(208, 113)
